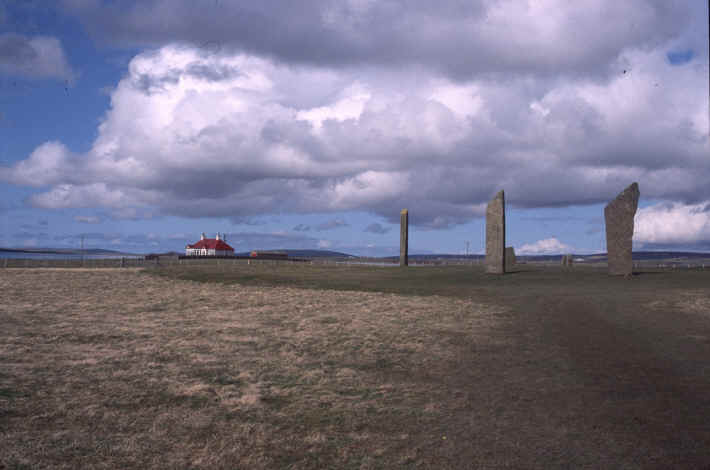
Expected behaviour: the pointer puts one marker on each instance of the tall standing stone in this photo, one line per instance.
(495, 234)
(509, 258)
(619, 220)
(404, 238)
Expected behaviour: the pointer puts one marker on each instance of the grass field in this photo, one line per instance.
(298, 366)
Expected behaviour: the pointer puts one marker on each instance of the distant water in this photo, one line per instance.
(17, 255)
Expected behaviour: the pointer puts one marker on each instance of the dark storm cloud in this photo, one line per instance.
(460, 38)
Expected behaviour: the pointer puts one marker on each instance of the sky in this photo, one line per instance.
(138, 125)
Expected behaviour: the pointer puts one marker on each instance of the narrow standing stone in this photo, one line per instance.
(495, 234)
(509, 258)
(404, 238)
(619, 220)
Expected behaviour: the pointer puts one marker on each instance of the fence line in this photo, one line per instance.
(225, 263)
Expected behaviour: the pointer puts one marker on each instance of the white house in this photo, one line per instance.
(210, 247)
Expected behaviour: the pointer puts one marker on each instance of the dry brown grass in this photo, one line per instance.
(543, 368)
(112, 368)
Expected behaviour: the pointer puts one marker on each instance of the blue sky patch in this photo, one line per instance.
(680, 57)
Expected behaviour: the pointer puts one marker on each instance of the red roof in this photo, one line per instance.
(212, 244)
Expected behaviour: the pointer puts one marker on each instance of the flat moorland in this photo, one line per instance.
(299, 366)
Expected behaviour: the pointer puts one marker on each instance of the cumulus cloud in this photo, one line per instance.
(669, 224)
(33, 57)
(258, 127)
(548, 246)
(377, 228)
(87, 219)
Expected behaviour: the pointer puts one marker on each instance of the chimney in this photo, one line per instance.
(217, 236)
(224, 237)
(203, 236)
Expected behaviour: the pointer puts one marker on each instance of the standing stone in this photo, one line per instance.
(404, 238)
(619, 220)
(495, 234)
(566, 260)
(509, 258)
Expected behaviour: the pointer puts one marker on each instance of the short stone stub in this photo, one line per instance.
(509, 259)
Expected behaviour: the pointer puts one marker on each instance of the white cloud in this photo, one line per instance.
(548, 246)
(673, 224)
(48, 164)
(87, 219)
(178, 236)
(89, 195)
(332, 224)
(230, 134)
(33, 57)
(349, 105)
(30, 242)
(131, 213)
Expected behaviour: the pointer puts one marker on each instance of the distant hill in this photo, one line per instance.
(66, 251)
(595, 257)
(305, 253)
(637, 255)
(440, 256)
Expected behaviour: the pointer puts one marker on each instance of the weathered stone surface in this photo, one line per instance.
(509, 258)
(619, 220)
(404, 238)
(495, 234)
